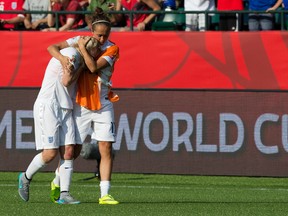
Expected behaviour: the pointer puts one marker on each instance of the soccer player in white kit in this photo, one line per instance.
(53, 120)
(94, 100)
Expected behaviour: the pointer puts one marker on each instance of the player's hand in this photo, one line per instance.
(66, 64)
(83, 41)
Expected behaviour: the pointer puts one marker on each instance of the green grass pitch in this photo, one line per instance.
(152, 194)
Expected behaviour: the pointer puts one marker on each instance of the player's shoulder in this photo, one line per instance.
(70, 51)
(110, 46)
(72, 41)
(115, 48)
(111, 43)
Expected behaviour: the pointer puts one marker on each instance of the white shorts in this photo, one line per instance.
(54, 126)
(101, 121)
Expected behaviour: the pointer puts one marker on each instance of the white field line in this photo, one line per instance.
(161, 187)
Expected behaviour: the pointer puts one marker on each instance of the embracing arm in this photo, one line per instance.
(92, 65)
(54, 51)
(69, 76)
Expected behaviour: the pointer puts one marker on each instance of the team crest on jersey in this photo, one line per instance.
(50, 139)
(112, 57)
(14, 5)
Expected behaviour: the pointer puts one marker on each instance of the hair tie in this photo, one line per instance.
(101, 21)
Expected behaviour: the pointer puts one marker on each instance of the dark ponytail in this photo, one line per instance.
(100, 17)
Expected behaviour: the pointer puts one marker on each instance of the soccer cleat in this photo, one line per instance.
(23, 187)
(108, 200)
(67, 199)
(55, 192)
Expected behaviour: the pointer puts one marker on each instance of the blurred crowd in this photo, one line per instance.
(197, 15)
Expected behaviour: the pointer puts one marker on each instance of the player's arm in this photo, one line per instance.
(54, 51)
(69, 76)
(92, 65)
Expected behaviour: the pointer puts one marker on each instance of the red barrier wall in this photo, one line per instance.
(209, 60)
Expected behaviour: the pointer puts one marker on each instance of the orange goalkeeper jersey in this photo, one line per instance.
(94, 88)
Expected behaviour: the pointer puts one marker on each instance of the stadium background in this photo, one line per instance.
(211, 103)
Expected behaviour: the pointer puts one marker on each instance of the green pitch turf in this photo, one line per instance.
(143, 194)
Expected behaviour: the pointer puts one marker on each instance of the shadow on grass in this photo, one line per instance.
(204, 202)
(118, 180)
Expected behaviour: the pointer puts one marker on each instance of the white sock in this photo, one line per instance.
(56, 180)
(36, 164)
(65, 173)
(104, 187)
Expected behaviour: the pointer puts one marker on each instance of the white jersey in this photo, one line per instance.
(52, 87)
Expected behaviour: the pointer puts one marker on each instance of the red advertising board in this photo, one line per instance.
(181, 60)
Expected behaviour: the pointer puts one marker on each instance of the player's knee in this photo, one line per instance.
(68, 153)
(105, 149)
(77, 150)
(48, 155)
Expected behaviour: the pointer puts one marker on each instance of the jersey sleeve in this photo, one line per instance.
(73, 41)
(111, 55)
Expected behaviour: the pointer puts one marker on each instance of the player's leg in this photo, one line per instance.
(65, 172)
(38, 162)
(67, 140)
(84, 123)
(106, 165)
(104, 131)
(55, 186)
(97, 155)
(46, 139)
